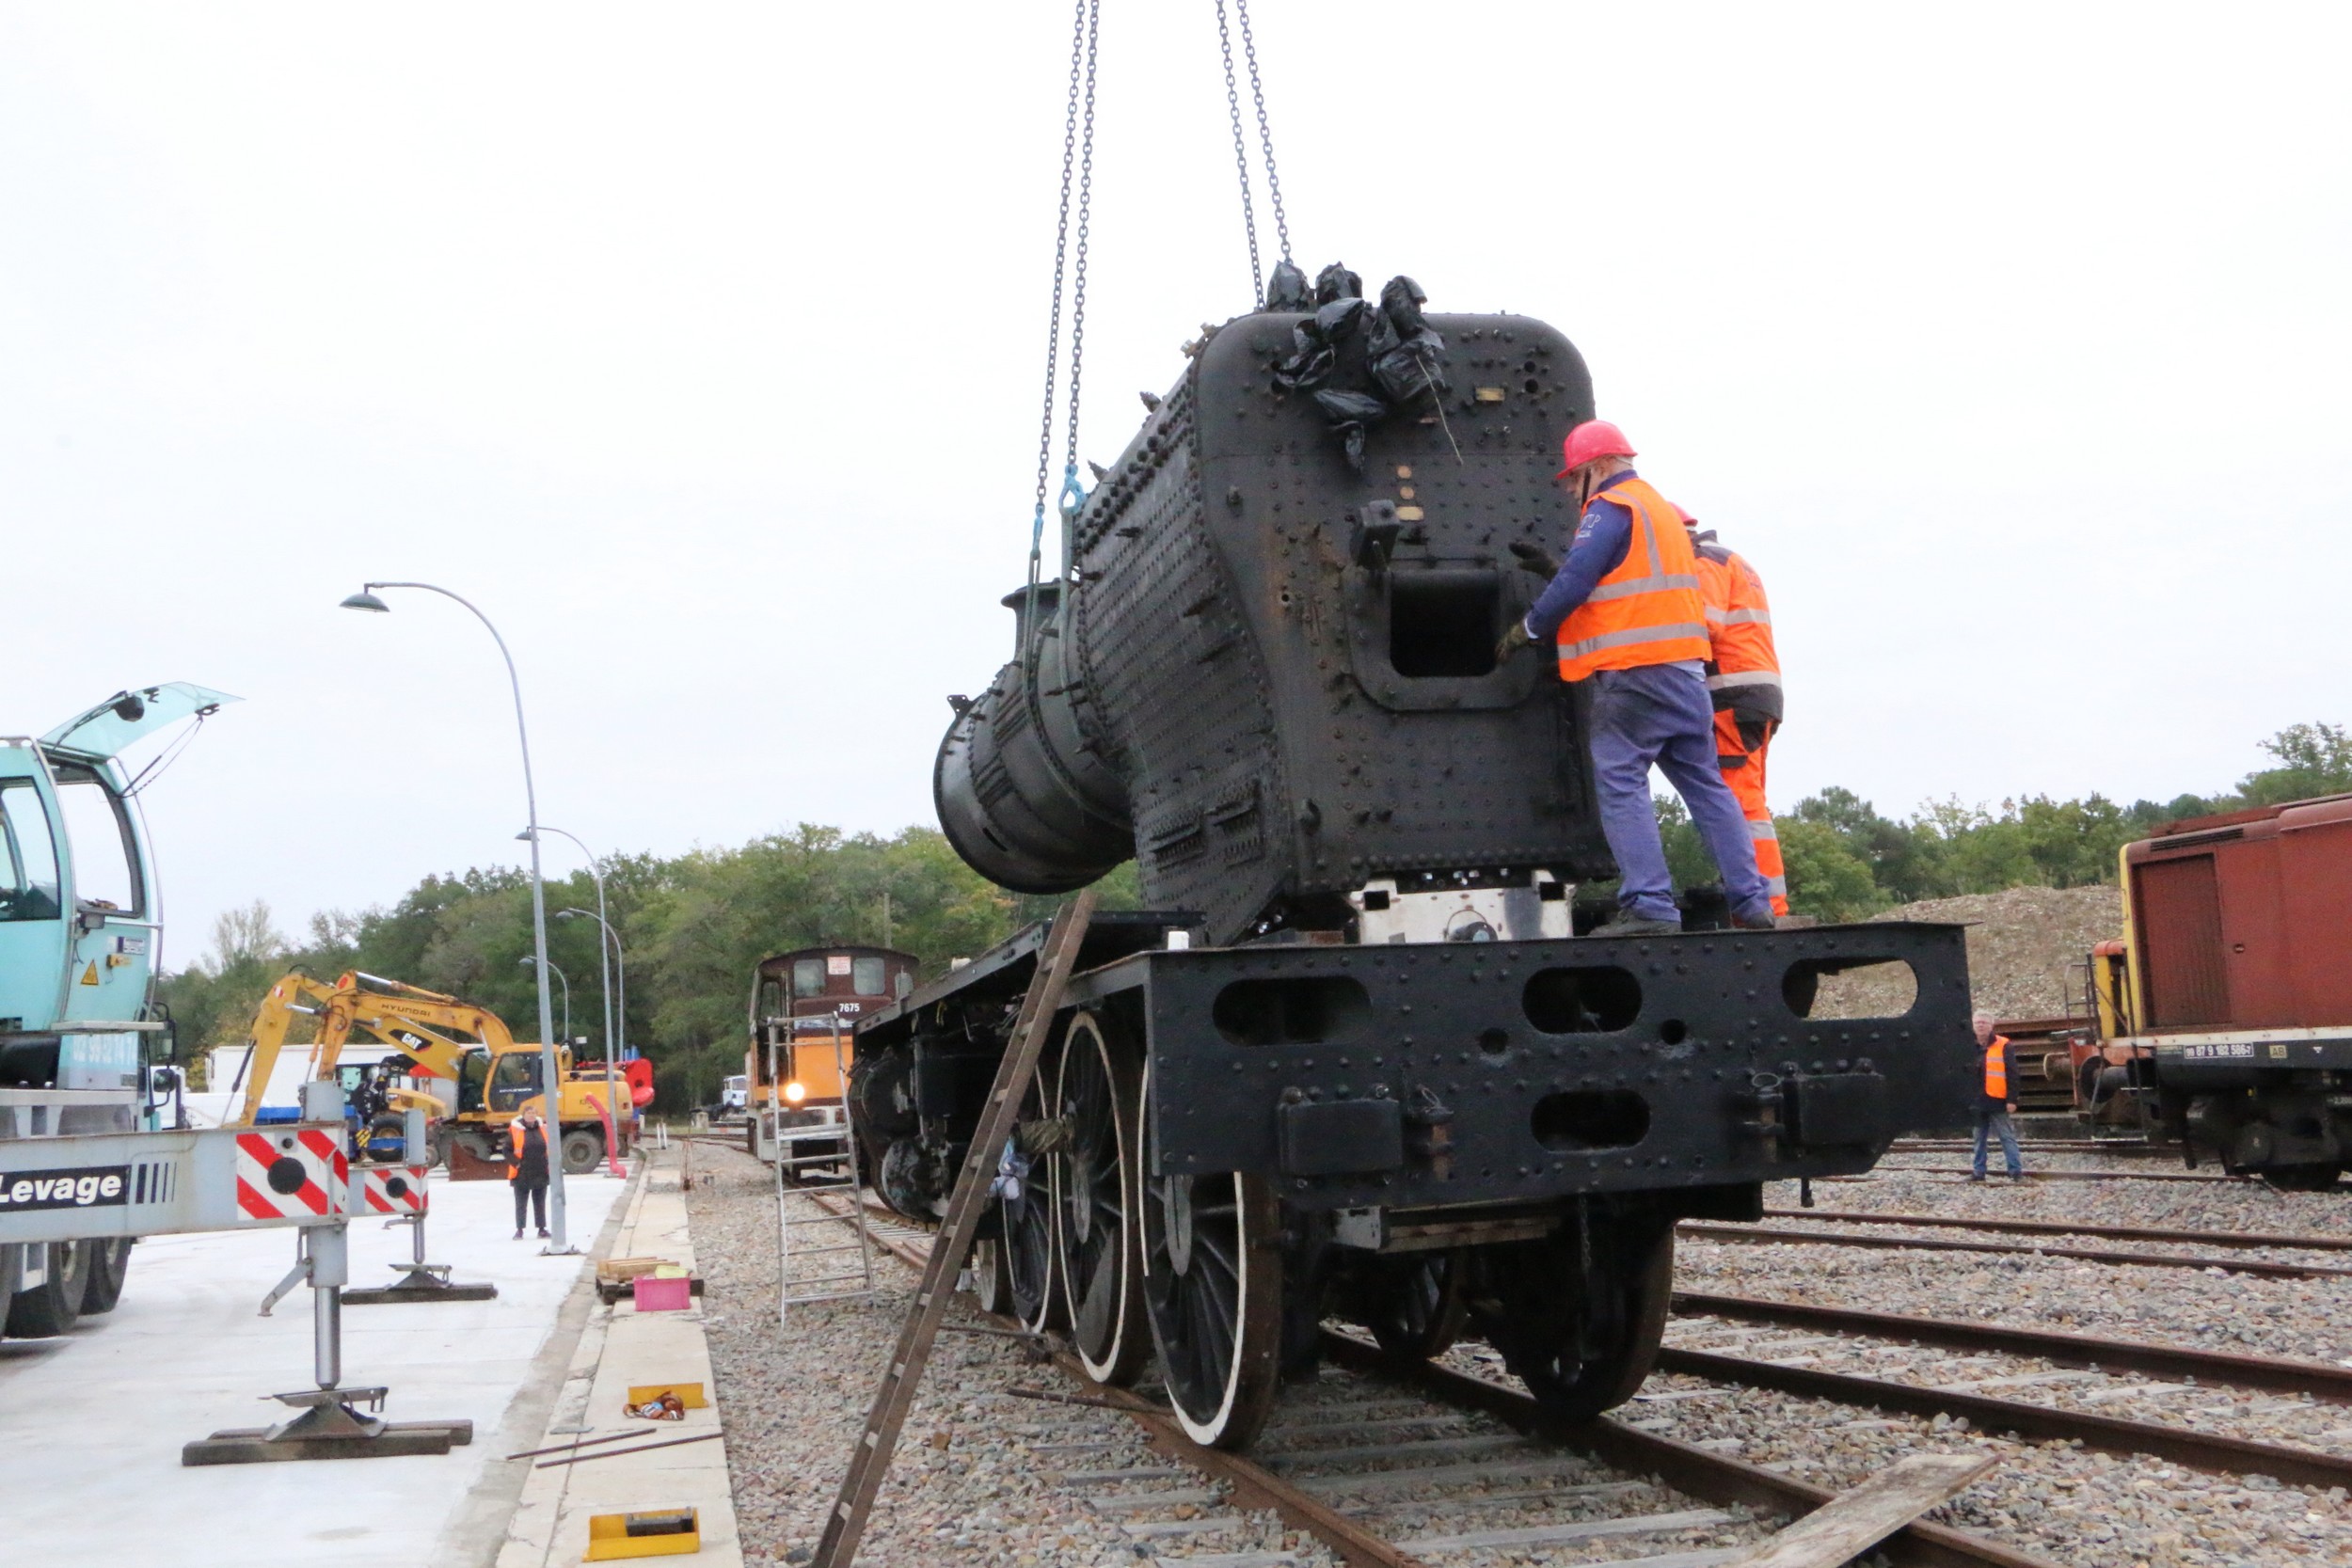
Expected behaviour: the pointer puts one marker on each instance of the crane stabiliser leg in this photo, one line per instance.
(419, 1280)
(329, 1423)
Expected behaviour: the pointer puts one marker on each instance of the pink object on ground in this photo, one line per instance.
(662, 1295)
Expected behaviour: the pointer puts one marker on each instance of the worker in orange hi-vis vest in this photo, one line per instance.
(1743, 682)
(1994, 1101)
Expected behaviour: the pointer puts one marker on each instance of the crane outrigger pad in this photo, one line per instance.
(327, 1428)
(429, 1283)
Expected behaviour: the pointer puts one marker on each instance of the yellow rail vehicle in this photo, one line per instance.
(805, 1009)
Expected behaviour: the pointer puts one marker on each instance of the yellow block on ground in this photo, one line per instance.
(660, 1532)
(689, 1394)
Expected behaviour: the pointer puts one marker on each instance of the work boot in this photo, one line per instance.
(543, 1233)
(1758, 919)
(1978, 1177)
(518, 1235)
(1626, 923)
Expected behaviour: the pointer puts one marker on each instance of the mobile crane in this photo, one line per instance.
(82, 1041)
(491, 1078)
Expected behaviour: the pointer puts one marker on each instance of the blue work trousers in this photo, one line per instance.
(1661, 714)
(1991, 1117)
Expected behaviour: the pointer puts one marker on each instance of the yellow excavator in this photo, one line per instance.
(466, 1051)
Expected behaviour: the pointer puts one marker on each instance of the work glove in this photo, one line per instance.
(1513, 641)
(1534, 558)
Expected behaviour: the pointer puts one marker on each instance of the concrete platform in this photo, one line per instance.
(92, 1423)
(620, 1347)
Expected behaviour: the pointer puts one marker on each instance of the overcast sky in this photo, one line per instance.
(700, 345)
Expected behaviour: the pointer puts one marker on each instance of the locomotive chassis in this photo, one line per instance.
(1531, 1115)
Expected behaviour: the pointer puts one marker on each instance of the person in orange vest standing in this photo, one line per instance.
(1743, 681)
(527, 1168)
(1625, 608)
(1995, 1104)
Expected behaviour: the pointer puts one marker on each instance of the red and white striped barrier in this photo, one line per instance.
(390, 1190)
(290, 1175)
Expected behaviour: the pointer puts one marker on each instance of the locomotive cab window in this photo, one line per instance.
(1443, 624)
(808, 976)
(866, 977)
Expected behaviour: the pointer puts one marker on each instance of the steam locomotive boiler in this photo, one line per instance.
(1354, 1062)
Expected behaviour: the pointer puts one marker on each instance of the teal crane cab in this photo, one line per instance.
(79, 916)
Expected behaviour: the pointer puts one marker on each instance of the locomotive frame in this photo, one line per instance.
(1498, 1135)
(1370, 1072)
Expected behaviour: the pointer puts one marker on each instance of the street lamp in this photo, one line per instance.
(612, 1054)
(619, 964)
(369, 600)
(563, 979)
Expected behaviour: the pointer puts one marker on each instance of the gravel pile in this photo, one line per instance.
(2020, 943)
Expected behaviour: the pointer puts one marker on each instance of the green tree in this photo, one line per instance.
(2314, 759)
(1826, 878)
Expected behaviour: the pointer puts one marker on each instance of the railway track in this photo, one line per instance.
(1759, 1235)
(1394, 1467)
(2277, 1375)
(2065, 1227)
(1375, 1460)
(2053, 1175)
(2116, 1147)
(1931, 1385)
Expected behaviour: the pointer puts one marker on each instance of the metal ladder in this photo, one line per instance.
(846, 1284)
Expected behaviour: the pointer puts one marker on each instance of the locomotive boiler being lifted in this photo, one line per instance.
(1368, 1072)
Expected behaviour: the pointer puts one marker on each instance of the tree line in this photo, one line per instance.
(1846, 861)
(693, 925)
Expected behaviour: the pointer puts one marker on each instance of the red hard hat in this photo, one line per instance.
(1591, 439)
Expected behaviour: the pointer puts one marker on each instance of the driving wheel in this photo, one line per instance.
(1213, 1287)
(1096, 1242)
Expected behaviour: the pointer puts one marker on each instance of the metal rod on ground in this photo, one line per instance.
(616, 1453)
(846, 1524)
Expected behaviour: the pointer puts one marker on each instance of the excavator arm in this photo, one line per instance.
(272, 1022)
(426, 1027)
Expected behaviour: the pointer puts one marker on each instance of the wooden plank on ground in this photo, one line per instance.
(1859, 1518)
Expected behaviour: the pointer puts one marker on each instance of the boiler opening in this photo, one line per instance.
(1443, 624)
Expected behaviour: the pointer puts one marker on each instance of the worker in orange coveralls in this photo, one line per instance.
(1743, 678)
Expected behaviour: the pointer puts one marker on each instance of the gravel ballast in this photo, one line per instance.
(982, 1477)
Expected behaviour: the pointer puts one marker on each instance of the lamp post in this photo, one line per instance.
(561, 980)
(612, 1054)
(620, 966)
(367, 599)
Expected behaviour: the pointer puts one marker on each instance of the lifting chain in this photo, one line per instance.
(1266, 142)
(1077, 156)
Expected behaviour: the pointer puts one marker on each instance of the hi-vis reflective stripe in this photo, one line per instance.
(397, 1190)
(1631, 586)
(292, 1175)
(1737, 617)
(1777, 886)
(1743, 677)
(1631, 636)
(1764, 830)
